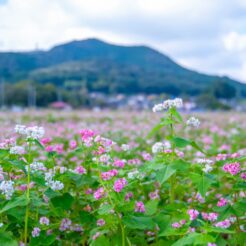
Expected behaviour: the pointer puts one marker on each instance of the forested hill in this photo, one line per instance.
(108, 68)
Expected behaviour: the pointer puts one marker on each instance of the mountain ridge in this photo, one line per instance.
(122, 68)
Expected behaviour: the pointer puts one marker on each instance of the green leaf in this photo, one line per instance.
(203, 185)
(196, 146)
(43, 239)
(176, 114)
(3, 152)
(195, 178)
(18, 164)
(194, 239)
(164, 222)
(105, 209)
(155, 129)
(18, 202)
(220, 230)
(240, 207)
(165, 173)
(86, 217)
(39, 144)
(151, 207)
(6, 239)
(152, 165)
(180, 142)
(141, 223)
(38, 179)
(101, 241)
(180, 165)
(65, 201)
(51, 193)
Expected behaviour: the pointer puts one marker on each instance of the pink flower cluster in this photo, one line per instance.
(223, 224)
(232, 168)
(128, 196)
(178, 224)
(105, 142)
(197, 198)
(108, 175)
(99, 193)
(210, 216)
(119, 184)
(44, 221)
(72, 144)
(139, 207)
(96, 235)
(65, 224)
(80, 170)
(221, 157)
(146, 156)
(100, 222)
(101, 150)
(87, 136)
(36, 232)
(222, 202)
(154, 195)
(243, 175)
(45, 141)
(119, 163)
(193, 214)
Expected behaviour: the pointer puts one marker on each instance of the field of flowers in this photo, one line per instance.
(123, 178)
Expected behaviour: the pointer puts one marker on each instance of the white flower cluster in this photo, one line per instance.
(207, 165)
(125, 147)
(192, 121)
(54, 184)
(32, 132)
(7, 189)
(36, 166)
(157, 108)
(135, 174)
(17, 150)
(158, 147)
(61, 169)
(175, 103)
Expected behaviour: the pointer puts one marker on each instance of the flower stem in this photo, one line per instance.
(27, 196)
(118, 215)
(172, 179)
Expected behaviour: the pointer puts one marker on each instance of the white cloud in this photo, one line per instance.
(234, 41)
(209, 35)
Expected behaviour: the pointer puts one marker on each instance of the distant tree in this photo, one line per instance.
(222, 89)
(17, 94)
(209, 101)
(46, 94)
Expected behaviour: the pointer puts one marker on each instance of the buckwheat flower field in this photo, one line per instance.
(123, 178)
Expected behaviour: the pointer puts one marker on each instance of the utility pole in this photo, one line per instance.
(2, 93)
(59, 94)
(31, 96)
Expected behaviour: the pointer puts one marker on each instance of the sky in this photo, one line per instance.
(205, 35)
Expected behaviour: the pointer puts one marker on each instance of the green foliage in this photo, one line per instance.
(6, 239)
(17, 202)
(140, 223)
(65, 201)
(165, 173)
(96, 193)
